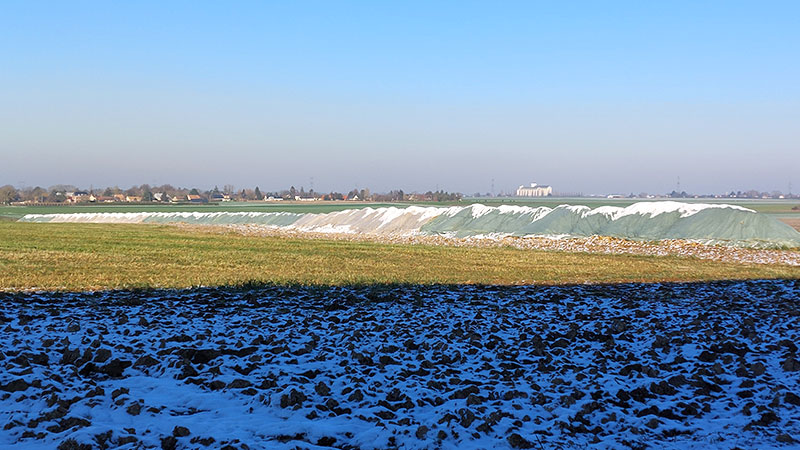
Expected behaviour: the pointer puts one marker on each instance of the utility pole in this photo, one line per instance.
(492, 187)
(678, 190)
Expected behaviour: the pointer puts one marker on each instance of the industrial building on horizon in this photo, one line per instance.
(535, 190)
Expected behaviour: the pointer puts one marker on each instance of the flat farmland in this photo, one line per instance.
(111, 256)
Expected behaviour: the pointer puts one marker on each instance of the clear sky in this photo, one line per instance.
(592, 97)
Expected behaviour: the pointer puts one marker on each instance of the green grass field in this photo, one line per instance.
(107, 256)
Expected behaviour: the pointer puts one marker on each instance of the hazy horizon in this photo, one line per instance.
(591, 98)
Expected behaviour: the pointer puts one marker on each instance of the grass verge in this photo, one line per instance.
(111, 256)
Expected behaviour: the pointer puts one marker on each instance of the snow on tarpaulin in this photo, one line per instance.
(369, 220)
(646, 220)
(708, 223)
(201, 218)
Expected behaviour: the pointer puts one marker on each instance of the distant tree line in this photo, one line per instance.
(752, 193)
(146, 193)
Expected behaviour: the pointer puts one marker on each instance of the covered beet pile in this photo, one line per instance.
(651, 221)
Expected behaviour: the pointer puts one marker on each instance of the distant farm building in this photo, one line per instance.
(79, 197)
(535, 190)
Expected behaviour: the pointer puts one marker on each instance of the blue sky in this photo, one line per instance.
(587, 96)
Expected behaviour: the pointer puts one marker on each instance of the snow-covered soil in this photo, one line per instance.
(657, 366)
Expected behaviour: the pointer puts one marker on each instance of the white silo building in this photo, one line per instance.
(535, 190)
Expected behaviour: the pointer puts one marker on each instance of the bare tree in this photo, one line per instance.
(8, 194)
